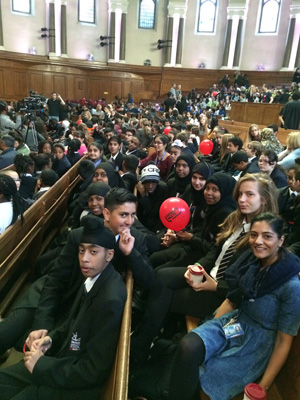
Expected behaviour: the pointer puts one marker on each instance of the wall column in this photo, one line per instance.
(237, 51)
(63, 24)
(175, 30)
(292, 52)
(236, 14)
(1, 28)
(227, 43)
(180, 42)
(112, 26)
(123, 37)
(117, 30)
(52, 32)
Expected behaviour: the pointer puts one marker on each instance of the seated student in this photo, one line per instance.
(253, 150)
(47, 179)
(42, 161)
(160, 157)
(264, 309)
(48, 299)
(90, 201)
(234, 144)
(73, 360)
(8, 152)
(83, 142)
(20, 146)
(25, 167)
(183, 172)
(60, 164)
(72, 153)
(175, 151)
(105, 172)
(190, 245)
(267, 163)
(269, 141)
(128, 172)
(254, 193)
(45, 146)
(134, 148)
(293, 236)
(10, 203)
(287, 196)
(152, 192)
(95, 153)
(241, 163)
(116, 157)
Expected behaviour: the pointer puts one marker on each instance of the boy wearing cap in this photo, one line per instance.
(73, 361)
(152, 193)
(50, 298)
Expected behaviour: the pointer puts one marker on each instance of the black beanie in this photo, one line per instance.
(94, 232)
(98, 188)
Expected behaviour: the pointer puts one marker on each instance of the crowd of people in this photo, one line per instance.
(244, 230)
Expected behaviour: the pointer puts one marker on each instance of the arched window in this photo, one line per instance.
(207, 16)
(147, 14)
(21, 6)
(269, 16)
(86, 11)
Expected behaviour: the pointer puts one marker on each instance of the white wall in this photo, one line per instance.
(264, 49)
(21, 32)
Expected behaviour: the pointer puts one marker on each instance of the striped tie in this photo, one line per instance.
(227, 256)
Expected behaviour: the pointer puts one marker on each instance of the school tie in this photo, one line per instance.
(227, 256)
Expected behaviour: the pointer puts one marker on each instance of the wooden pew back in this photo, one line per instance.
(20, 245)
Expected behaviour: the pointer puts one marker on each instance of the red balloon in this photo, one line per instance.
(206, 146)
(174, 213)
(167, 129)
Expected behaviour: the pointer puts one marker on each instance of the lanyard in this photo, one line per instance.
(157, 161)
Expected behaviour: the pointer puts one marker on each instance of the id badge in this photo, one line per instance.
(233, 330)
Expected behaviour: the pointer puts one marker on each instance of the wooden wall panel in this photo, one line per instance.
(60, 83)
(1, 84)
(116, 89)
(48, 86)
(20, 83)
(8, 83)
(77, 78)
(80, 88)
(36, 82)
(257, 113)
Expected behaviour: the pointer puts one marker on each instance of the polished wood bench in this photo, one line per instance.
(22, 243)
(117, 384)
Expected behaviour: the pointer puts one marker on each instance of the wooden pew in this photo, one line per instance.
(20, 244)
(117, 384)
(286, 385)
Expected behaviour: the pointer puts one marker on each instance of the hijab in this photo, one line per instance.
(114, 179)
(226, 184)
(181, 184)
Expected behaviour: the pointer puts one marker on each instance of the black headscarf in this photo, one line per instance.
(181, 184)
(114, 179)
(226, 184)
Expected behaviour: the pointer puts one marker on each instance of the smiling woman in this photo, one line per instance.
(262, 306)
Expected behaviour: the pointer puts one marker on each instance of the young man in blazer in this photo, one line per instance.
(73, 361)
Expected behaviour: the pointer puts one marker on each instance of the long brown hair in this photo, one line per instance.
(268, 203)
